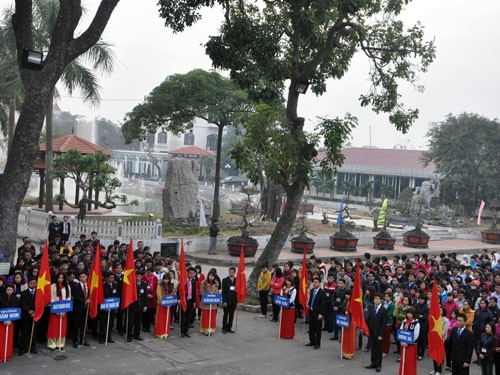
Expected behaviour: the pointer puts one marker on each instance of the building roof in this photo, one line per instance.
(193, 151)
(380, 157)
(73, 142)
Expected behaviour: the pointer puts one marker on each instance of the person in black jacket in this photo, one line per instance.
(27, 304)
(317, 307)
(229, 300)
(462, 344)
(137, 308)
(423, 318)
(188, 315)
(377, 321)
(80, 293)
(110, 291)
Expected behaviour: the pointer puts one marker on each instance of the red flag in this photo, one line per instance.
(182, 278)
(304, 284)
(435, 336)
(356, 305)
(241, 279)
(95, 281)
(129, 286)
(43, 293)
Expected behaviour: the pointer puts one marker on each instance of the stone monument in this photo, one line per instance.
(180, 195)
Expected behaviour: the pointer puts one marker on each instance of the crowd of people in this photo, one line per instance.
(395, 295)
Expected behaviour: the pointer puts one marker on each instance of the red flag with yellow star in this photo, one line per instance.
(304, 284)
(241, 279)
(181, 288)
(129, 286)
(356, 305)
(43, 293)
(435, 337)
(95, 281)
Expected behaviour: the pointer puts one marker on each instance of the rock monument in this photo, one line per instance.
(180, 196)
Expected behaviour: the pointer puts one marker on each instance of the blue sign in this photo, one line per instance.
(110, 304)
(281, 301)
(403, 335)
(58, 307)
(10, 314)
(211, 298)
(169, 301)
(342, 321)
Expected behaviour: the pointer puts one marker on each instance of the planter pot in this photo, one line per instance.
(298, 246)
(343, 244)
(248, 250)
(490, 237)
(416, 241)
(306, 207)
(325, 221)
(383, 243)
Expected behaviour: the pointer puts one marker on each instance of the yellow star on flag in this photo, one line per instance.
(43, 282)
(438, 326)
(95, 281)
(125, 277)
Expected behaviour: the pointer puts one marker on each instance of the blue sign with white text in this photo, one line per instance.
(110, 304)
(211, 298)
(405, 336)
(342, 321)
(169, 301)
(10, 314)
(58, 307)
(281, 301)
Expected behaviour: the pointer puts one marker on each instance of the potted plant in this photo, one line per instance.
(383, 239)
(343, 240)
(416, 238)
(492, 234)
(302, 241)
(325, 219)
(250, 244)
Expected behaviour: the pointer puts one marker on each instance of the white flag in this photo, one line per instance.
(203, 219)
(481, 207)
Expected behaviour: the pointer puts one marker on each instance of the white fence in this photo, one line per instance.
(34, 224)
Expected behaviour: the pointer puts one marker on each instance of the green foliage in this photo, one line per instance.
(465, 152)
(404, 202)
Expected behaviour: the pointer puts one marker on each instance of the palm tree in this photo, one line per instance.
(80, 74)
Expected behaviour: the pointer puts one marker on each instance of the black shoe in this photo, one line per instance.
(324, 329)
(85, 343)
(371, 366)
(224, 331)
(138, 338)
(34, 351)
(310, 344)
(316, 346)
(396, 352)
(129, 339)
(75, 345)
(101, 341)
(182, 335)
(111, 341)
(378, 369)
(187, 335)
(230, 331)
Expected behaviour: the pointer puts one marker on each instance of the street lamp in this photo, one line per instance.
(301, 87)
(32, 60)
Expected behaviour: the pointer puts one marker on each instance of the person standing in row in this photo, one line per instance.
(317, 306)
(229, 300)
(80, 293)
(485, 349)
(208, 321)
(408, 358)
(462, 346)
(137, 308)
(377, 321)
(276, 284)
(287, 329)
(110, 291)
(56, 334)
(7, 300)
(187, 316)
(27, 304)
(263, 285)
(163, 314)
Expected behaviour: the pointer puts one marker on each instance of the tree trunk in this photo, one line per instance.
(279, 235)
(216, 204)
(49, 157)
(12, 121)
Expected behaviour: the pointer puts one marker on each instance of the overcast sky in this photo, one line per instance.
(464, 77)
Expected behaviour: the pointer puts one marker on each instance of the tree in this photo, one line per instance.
(464, 150)
(405, 200)
(178, 100)
(300, 43)
(66, 45)
(91, 173)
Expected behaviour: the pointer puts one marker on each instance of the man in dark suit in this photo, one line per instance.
(65, 229)
(54, 228)
(187, 316)
(462, 346)
(317, 308)
(229, 300)
(110, 291)
(136, 308)
(27, 304)
(80, 294)
(377, 321)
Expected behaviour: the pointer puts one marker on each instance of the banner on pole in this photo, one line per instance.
(343, 321)
(10, 314)
(281, 301)
(110, 304)
(403, 335)
(58, 307)
(211, 298)
(169, 301)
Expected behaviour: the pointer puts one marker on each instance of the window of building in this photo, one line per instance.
(162, 138)
(212, 142)
(150, 139)
(188, 139)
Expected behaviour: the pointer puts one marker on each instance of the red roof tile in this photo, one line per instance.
(73, 142)
(396, 158)
(192, 151)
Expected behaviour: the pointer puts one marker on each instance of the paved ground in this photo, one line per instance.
(254, 349)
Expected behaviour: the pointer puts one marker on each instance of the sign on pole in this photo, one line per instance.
(110, 304)
(58, 307)
(343, 321)
(10, 314)
(406, 336)
(281, 301)
(211, 298)
(169, 301)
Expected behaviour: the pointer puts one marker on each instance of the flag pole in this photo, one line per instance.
(403, 364)
(362, 350)
(86, 320)
(126, 324)
(180, 320)
(166, 323)
(210, 320)
(107, 328)
(304, 328)
(60, 332)
(341, 344)
(6, 343)
(237, 311)
(31, 338)
(279, 329)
